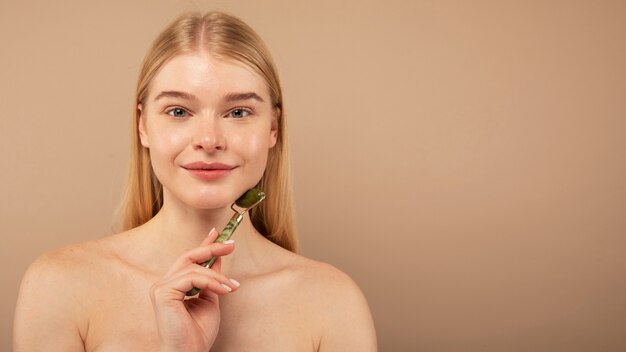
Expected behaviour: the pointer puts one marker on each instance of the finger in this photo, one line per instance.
(211, 237)
(205, 279)
(217, 276)
(200, 255)
(197, 268)
(217, 266)
(175, 290)
(232, 284)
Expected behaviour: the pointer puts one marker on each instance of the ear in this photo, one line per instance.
(141, 127)
(274, 127)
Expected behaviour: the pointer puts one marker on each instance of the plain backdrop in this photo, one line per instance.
(463, 161)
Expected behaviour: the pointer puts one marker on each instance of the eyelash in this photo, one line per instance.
(245, 111)
(171, 111)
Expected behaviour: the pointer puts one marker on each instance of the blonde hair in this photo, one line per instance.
(224, 36)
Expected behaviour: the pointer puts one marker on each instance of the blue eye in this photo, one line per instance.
(238, 113)
(177, 112)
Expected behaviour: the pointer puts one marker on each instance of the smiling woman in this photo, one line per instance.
(200, 118)
(208, 126)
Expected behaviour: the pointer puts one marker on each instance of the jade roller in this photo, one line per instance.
(247, 201)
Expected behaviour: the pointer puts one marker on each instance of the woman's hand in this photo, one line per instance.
(191, 324)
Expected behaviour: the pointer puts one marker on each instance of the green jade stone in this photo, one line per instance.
(250, 198)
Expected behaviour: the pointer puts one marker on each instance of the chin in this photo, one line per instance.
(211, 196)
(212, 199)
(204, 204)
(208, 203)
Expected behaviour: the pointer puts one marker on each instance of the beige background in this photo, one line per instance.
(463, 161)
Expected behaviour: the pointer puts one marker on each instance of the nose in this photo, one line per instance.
(209, 136)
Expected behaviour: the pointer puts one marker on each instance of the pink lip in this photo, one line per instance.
(208, 171)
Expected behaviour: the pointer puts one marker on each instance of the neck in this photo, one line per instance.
(175, 230)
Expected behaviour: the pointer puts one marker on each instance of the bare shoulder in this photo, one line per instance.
(68, 267)
(53, 269)
(318, 277)
(339, 307)
(66, 272)
(51, 309)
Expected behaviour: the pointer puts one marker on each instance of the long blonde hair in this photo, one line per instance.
(224, 36)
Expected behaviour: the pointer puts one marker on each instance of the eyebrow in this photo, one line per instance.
(228, 97)
(243, 96)
(175, 94)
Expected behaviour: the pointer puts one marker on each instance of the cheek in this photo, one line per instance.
(255, 145)
(165, 146)
(254, 149)
(168, 141)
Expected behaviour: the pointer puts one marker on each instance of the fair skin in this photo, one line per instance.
(126, 292)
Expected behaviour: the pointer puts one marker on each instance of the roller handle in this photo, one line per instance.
(226, 234)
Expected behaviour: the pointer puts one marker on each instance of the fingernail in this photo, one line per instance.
(228, 242)
(235, 282)
(211, 232)
(227, 287)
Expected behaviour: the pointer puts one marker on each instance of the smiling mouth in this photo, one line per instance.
(208, 171)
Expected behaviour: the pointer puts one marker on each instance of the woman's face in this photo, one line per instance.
(209, 125)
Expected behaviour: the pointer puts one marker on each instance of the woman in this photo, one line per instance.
(208, 125)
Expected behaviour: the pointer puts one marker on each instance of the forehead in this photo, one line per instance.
(203, 75)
